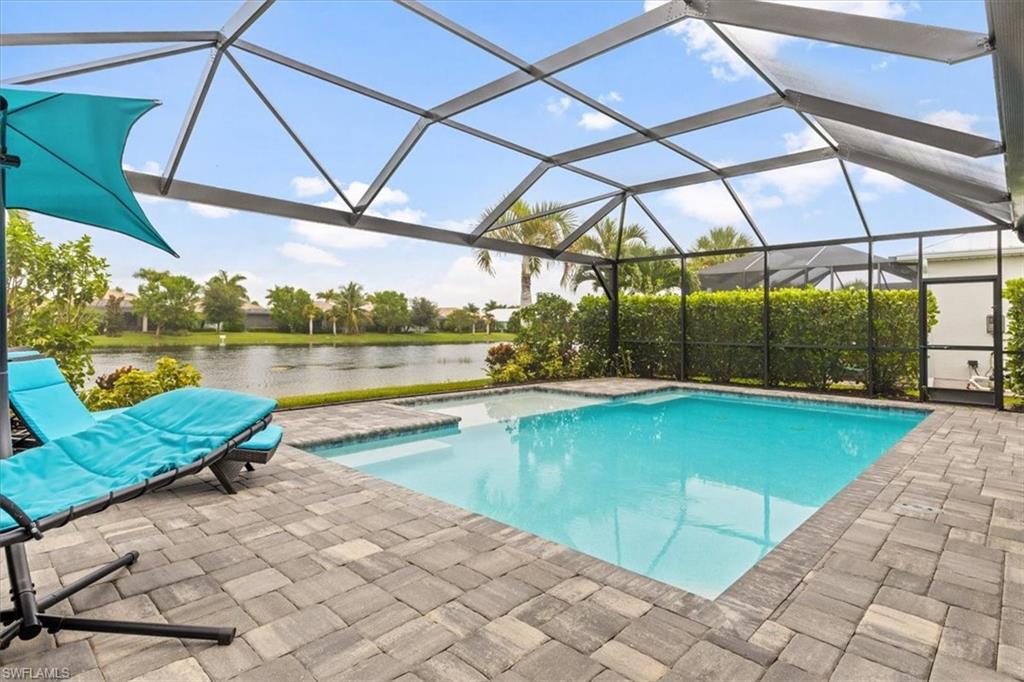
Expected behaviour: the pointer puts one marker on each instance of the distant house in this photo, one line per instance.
(823, 267)
(965, 309)
(257, 318)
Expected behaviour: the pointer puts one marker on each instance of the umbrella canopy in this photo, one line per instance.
(70, 148)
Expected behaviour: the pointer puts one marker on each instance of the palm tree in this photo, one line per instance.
(351, 300)
(719, 239)
(603, 241)
(489, 309)
(332, 313)
(311, 312)
(474, 313)
(545, 231)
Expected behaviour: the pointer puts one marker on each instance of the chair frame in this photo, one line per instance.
(28, 618)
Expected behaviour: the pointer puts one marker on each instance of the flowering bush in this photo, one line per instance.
(128, 386)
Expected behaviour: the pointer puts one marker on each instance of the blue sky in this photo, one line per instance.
(450, 178)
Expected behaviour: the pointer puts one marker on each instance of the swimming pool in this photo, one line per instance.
(690, 488)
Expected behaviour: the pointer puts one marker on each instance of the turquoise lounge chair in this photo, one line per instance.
(49, 409)
(127, 455)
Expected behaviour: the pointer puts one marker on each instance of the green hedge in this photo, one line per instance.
(818, 338)
(1014, 293)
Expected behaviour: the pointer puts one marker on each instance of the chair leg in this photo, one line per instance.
(249, 467)
(224, 477)
(28, 618)
(222, 636)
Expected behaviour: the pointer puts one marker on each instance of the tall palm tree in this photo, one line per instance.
(351, 300)
(545, 231)
(311, 312)
(603, 241)
(719, 239)
(474, 312)
(333, 312)
(489, 309)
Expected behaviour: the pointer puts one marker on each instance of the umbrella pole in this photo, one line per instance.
(6, 448)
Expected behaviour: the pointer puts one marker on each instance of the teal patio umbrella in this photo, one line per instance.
(60, 154)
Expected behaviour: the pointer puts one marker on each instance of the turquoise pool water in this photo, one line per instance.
(690, 488)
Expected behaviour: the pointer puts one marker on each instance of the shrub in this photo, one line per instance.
(725, 338)
(128, 386)
(499, 355)
(1014, 293)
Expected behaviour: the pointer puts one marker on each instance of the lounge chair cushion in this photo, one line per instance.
(45, 401)
(101, 415)
(167, 431)
(267, 439)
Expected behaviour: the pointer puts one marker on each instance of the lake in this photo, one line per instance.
(276, 371)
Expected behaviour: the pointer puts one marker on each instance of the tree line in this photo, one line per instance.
(175, 303)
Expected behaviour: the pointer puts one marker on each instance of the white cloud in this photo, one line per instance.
(338, 237)
(796, 185)
(310, 186)
(386, 195)
(880, 66)
(595, 120)
(335, 236)
(311, 255)
(803, 141)
(726, 65)
(709, 203)
(951, 118)
(464, 225)
(406, 215)
(152, 168)
(212, 212)
(612, 96)
(558, 106)
(875, 183)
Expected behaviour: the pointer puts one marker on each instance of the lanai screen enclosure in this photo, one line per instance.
(980, 175)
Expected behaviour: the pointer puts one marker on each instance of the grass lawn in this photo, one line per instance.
(209, 338)
(373, 393)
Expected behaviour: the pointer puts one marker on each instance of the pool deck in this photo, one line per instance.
(914, 571)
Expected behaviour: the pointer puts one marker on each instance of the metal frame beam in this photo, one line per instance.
(107, 63)
(244, 17)
(1005, 20)
(511, 198)
(106, 37)
(185, 132)
(556, 209)
(562, 248)
(288, 129)
(897, 126)
(626, 32)
(406, 145)
(955, 186)
(748, 168)
(657, 223)
(886, 35)
(145, 183)
(714, 117)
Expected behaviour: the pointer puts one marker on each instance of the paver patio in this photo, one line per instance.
(914, 571)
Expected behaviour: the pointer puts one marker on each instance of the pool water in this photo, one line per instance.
(690, 488)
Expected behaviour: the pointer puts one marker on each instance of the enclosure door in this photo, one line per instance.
(961, 360)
